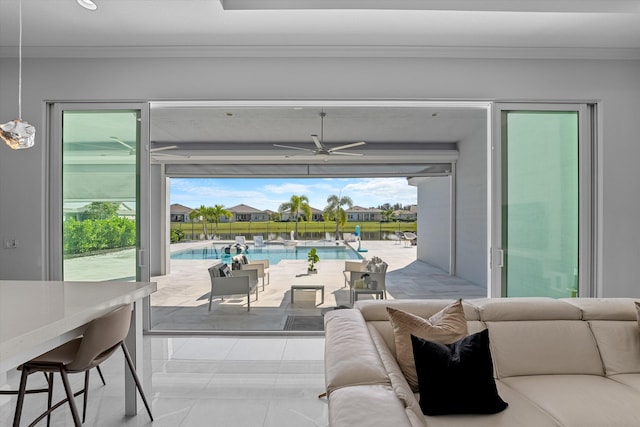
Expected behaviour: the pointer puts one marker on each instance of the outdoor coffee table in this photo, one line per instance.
(307, 287)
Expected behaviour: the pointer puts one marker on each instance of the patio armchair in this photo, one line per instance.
(240, 282)
(241, 262)
(373, 276)
(350, 266)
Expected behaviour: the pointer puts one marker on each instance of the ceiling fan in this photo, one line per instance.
(133, 151)
(321, 149)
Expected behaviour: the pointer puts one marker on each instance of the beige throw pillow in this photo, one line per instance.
(445, 327)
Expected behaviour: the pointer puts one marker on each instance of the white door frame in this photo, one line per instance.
(588, 200)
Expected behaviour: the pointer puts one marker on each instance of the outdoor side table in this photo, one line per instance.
(377, 293)
(308, 287)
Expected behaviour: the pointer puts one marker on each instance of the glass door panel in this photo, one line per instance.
(540, 203)
(100, 187)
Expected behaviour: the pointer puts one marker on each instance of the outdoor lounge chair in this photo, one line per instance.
(409, 238)
(258, 241)
(260, 265)
(239, 282)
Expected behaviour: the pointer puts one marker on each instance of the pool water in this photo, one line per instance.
(274, 254)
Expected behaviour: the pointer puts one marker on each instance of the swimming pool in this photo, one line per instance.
(274, 254)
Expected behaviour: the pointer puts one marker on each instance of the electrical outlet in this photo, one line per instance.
(10, 243)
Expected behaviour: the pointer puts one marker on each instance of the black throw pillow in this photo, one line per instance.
(456, 378)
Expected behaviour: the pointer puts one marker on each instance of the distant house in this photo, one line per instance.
(404, 215)
(316, 215)
(358, 213)
(179, 213)
(244, 213)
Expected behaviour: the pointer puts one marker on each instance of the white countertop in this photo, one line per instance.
(36, 316)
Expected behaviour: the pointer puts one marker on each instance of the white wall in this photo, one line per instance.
(434, 221)
(614, 83)
(471, 208)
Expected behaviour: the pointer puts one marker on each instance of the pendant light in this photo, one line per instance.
(87, 4)
(17, 133)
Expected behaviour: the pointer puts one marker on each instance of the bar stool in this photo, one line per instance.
(100, 340)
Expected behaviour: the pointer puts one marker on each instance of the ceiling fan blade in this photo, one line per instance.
(317, 142)
(294, 148)
(119, 141)
(341, 153)
(342, 147)
(170, 147)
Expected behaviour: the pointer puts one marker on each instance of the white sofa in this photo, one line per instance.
(572, 362)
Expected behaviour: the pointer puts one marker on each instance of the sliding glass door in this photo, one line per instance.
(543, 186)
(99, 230)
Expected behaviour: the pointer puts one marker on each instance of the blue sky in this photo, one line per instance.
(262, 193)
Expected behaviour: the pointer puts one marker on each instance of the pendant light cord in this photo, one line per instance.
(20, 60)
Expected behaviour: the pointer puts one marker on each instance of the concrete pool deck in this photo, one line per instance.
(181, 302)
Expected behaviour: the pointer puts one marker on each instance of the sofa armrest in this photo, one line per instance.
(370, 405)
(351, 357)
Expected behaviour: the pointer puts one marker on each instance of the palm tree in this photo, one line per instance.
(387, 214)
(200, 214)
(297, 205)
(335, 210)
(217, 212)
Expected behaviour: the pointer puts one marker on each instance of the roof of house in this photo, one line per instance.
(361, 209)
(178, 208)
(242, 208)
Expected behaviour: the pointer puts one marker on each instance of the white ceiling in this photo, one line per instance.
(597, 28)
(440, 28)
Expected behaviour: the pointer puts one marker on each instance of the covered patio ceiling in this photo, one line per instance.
(196, 134)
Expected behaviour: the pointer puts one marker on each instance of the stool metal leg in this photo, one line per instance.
(132, 369)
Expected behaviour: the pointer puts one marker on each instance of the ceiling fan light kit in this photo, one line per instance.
(17, 133)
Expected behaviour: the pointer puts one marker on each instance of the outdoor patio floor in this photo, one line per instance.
(181, 302)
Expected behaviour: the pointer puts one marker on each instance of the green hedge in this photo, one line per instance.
(98, 234)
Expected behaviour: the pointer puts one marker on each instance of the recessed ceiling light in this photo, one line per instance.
(87, 4)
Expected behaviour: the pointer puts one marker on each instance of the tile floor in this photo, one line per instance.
(200, 381)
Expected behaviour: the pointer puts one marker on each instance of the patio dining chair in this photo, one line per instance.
(100, 340)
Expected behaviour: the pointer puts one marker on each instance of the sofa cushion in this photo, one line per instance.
(445, 327)
(457, 378)
(520, 413)
(581, 400)
(543, 347)
(619, 345)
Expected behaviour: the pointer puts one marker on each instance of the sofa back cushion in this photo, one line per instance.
(525, 308)
(619, 345)
(543, 347)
